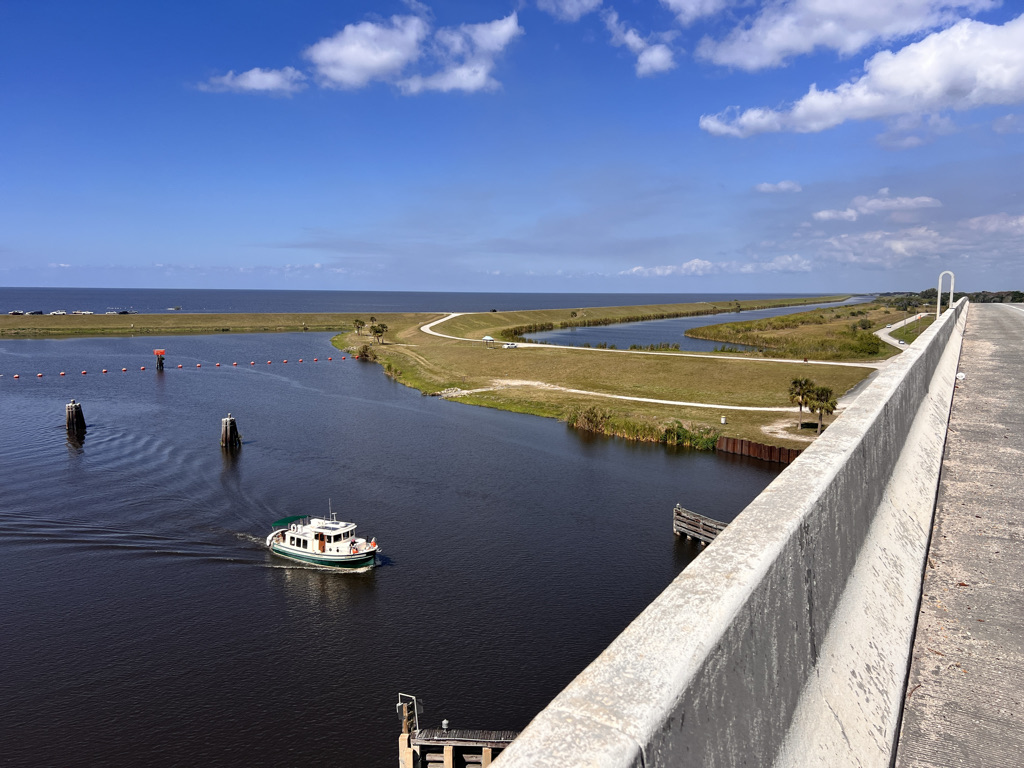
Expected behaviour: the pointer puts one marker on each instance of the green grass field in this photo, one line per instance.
(534, 379)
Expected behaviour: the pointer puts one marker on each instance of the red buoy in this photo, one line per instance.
(286, 361)
(218, 365)
(62, 373)
(316, 359)
(83, 373)
(268, 362)
(252, 362)
(18, 377)
(141, 369)
(342, 357)
(39, 375)
(199, 365)
(104, 370)
(179, 366)
(122, 371)
(300, 359)
(234, 363)
(330, 358)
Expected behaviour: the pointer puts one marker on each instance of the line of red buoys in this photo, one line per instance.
(198, 365)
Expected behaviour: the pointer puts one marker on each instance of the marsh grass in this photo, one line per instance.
(833, 333)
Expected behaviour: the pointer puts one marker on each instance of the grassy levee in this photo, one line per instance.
(832, 333)
(533, 379)
(169, 324)
(496, 323)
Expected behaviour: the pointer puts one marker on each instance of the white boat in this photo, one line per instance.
(330, 543)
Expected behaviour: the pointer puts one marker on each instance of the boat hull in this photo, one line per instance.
(361, 560)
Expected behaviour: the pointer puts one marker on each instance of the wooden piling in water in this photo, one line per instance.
(229, 437)
(74, 418)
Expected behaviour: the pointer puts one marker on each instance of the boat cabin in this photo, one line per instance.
(319, 535)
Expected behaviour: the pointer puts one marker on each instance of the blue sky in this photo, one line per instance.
(548, 145)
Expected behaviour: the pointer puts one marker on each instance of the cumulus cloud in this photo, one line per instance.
(998, 224)
(885, 249)
(368, 51)
(569, 10)
(782, 186)
(971, 64)
(384, 51)
(652, 57)
(882, 203)
(1008, 124)
(785, 29)
(701, 267)
(468, 53)
(258, 80)
(688, 11)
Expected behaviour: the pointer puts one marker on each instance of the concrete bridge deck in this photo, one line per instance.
(965, 692)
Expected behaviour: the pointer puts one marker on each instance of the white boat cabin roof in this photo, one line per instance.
(317, 524)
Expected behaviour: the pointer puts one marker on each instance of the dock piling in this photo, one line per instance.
(74, 418)
(229, 437)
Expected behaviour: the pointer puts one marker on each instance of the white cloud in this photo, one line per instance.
(998, 224)
(785, 29)
(969, 65)
(688, 11)
(782, 186)
(834, 215)
(787, 263)
(701, 267)
(368, 51)
(652, 57)
(569, 10)
(468, 53)
(1009, 124)
(287, 80)
(692, 267)
(863, 205)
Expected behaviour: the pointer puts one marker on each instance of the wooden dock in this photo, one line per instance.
(444, 747)
(456, 747)
(694, 526)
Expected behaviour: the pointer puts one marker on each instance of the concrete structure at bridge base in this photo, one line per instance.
(787, 641)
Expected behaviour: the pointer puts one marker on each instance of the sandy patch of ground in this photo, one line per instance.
(783, 430)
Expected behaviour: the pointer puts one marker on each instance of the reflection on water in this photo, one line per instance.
(153, 627)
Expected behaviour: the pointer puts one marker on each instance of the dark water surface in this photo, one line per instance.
(145, 624)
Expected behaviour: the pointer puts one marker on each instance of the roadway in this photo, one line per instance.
(964, 696)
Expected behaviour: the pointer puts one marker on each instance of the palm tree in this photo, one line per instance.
(822, 402)
(359, 324)
(378, 332)
(798, 393)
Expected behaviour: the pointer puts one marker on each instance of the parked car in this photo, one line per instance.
(510, 345)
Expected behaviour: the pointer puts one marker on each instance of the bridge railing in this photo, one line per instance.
(787, 640)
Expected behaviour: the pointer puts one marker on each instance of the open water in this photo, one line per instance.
(145, 624)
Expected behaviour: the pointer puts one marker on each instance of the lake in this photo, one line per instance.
(145, 623)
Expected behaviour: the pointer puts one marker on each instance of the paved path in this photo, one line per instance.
(883, 333)
(844, 401)
(965, 695)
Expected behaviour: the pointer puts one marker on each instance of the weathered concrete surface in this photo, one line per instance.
(816, 581)
(966, 687)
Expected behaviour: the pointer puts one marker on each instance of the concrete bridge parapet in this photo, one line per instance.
(787, 641)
